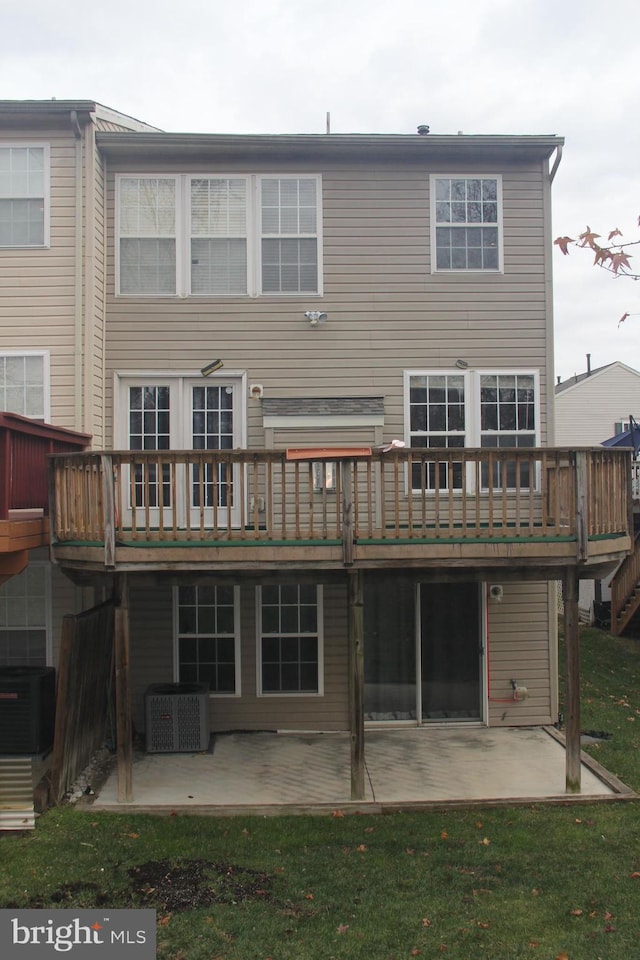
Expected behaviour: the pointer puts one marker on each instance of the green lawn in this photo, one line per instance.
(535, 882)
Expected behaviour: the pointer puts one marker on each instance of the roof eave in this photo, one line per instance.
(175, 146)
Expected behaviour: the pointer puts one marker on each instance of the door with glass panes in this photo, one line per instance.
(423, 650)
(165, 414)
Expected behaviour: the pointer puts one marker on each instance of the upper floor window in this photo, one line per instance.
(467, 221)
(24, 384)
(24, 195)
(218, 236)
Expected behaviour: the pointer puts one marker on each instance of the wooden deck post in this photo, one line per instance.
(356, 680)
(123, 694)
(572, 706)
(109, 512)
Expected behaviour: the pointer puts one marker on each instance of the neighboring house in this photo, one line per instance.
(591, 407)
(242, 322)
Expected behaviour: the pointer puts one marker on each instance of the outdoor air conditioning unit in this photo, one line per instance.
(177, 717)
(27, 709)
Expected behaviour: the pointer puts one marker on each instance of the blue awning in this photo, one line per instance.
(626, 438)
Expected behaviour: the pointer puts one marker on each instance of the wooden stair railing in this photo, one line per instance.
(625, 590)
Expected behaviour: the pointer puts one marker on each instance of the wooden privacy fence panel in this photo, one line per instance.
(84, 695)
(405, 494)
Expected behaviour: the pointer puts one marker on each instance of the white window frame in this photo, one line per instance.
(44, 565)
(180, 409)
(46, 376)
(483, 271)
(237, 647)
(254, 233)
(320, 641)
(46, 199)
(473, 430)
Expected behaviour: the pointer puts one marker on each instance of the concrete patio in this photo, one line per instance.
(292, 773)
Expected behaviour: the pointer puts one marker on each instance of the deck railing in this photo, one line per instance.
(24, 447)
(198, 496)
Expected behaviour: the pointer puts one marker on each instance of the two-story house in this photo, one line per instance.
(318, 373)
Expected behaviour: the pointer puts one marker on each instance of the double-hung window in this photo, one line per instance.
(148, 216)
(25, 617)
(24, 195)
(210, 236)
(290, 639)
(471, 409)
(24, 384)
(467, 223)
(208, 637)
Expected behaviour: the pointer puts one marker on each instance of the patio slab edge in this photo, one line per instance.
(620, 789)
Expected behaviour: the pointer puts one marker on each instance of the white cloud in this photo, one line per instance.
(482, 66)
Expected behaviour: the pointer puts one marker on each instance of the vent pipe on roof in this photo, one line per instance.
(423, 130)
(588, 364)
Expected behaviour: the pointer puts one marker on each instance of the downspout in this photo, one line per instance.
(556, 163)
(78, 276)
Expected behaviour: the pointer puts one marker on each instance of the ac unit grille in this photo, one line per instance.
(177, 717)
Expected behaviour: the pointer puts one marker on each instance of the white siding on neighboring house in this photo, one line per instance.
(587, 410)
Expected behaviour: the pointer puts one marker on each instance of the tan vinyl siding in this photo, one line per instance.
(151, 611)
(386, 311)
(519, 648)
(37, 285)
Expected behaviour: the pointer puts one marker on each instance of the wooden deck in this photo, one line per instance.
(24, 494)
(537, 509)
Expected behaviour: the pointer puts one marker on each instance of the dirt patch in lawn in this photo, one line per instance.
(189, 884)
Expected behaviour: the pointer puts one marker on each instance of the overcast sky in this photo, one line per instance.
(568, 67)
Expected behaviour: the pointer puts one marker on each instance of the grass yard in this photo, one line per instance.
(536, 882)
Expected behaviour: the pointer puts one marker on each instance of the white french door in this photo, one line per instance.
(180, 413)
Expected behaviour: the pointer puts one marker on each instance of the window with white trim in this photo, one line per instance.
(24, 384)
(467, 223)
(472, 409)
(507, 419)
(436, 419)
(290, 639)
(24, 195)
(25, 617)
(208, 637)
(197, 235)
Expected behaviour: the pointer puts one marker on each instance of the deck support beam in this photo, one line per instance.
(572, 705)
(355, 579)
(124, 724)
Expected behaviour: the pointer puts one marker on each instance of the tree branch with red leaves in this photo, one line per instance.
(612, 255)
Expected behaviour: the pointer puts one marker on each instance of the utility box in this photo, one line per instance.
(177, 717)
(27, 709)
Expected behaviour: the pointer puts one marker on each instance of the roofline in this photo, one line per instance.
(570, 384)
(88, 108)
(394, 147)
